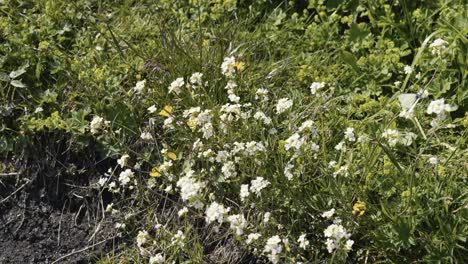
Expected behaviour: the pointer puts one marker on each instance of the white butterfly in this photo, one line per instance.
(408, 101)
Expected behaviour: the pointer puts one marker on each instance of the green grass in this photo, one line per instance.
(81, 60)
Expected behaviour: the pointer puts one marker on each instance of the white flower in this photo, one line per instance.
(261, 94)
(273, 248)
(252, 237)
(125, 177)
(295, 141)
(397, 83)
(261, 116)
(233, 98)
(168, 123)
(266, 217)
(331, 245)
(349, 134)
(392, 135)
(176, 85)
(157, 259)
(120, 225)
(139, 86)
(102, 181)
(308, 124)
(336, 232)
(146, 136)
(38, 110)
(238, 223)
(258, 184)
(438, 45)
(329, 213)
(97, 123)
(342, 170)
(182, 211)
(314, 147)
(228, 66)
(315, 86)
(349, 245)
(283, 105)
(340, 146)
(168, 189)
(229, 170)
(303, 242)
(142, 238)
(109, 207)
(123, 161)
(152, 109)
(408, 69)
(178, 239)
(438, 107)
(433, 160)
(288, 171)
(215, 212)
(196, 78)
(207, 130)
(244, 191)
(189, 187)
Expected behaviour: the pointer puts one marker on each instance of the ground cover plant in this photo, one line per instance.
(225, 131)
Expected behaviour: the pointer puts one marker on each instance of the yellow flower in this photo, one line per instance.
(166, 111)
(155, 172)
(359, 208)
(239, 66)
(171, 155)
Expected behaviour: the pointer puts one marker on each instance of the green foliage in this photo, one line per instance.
(65, 63)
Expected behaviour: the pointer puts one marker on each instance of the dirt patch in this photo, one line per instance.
(52, 217)
(37, 233)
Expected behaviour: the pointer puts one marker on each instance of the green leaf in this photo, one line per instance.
(17, 83)
(4, 77)
(349, 58)
(19, 71)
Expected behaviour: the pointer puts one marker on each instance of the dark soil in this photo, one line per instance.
(50, 215)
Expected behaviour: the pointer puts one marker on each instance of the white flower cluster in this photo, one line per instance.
(216, 212)
(315, 86)
(238, 223)
(262, 94)
(157, 259)
(123, 160)
(257, 185)
(283, 105)
(176, 85)
(336, 234)
(349, 134)
(328, 214)
(196, 80)
(303, 242)
(125, 177)
(273, 248)
(142, 238)
(139, 86)
(228, 67)
(294, 142)
(178, 239)
(189, 186)
(98, 123)
(438, 46)
(438, 107)
(259, 115)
